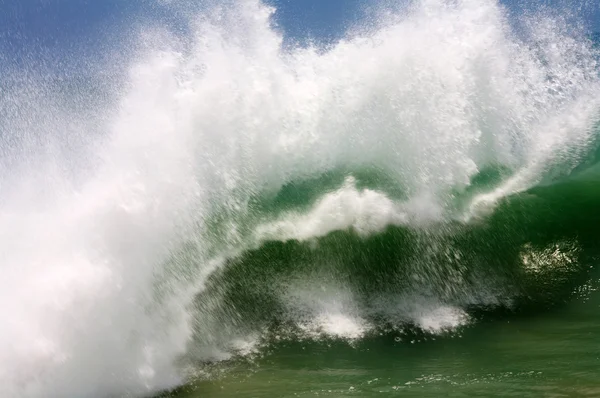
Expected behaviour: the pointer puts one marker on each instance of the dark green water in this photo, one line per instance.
(554, 354)
(512, 297)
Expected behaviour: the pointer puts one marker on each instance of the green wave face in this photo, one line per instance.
(388, 309)
(528, 253)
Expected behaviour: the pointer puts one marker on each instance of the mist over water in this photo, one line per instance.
(120, 216)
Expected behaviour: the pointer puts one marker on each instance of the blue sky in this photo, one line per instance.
(32, 28)
(56, 20)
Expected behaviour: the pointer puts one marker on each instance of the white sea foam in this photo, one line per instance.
(365, 212)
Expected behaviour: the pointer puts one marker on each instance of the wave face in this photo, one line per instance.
(436, 163)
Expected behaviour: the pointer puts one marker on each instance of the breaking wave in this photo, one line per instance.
(434, 164)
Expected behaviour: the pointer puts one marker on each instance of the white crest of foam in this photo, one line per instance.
(322, 309)
(427, 313)
(439, 319)
(365, 212)
(561, 139)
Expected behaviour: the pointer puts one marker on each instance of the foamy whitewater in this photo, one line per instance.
(112, 219)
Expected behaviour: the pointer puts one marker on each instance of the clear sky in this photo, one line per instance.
(31, 27)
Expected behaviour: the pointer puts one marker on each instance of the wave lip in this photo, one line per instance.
(365, 212)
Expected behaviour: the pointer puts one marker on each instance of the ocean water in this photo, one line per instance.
(412, 210)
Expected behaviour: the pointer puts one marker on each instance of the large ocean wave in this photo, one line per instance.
(434, 164)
